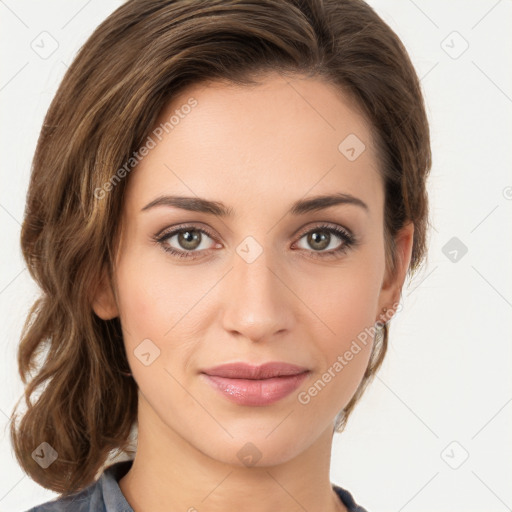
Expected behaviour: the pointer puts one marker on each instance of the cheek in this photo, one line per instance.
(139, 302)
(344, 300)
(345, 356)
(157, 301)
(343, 305)
(349, 314)
(144, 297)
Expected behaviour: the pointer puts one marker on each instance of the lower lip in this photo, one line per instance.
(256, 392)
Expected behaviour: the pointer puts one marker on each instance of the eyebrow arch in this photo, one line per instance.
(219, 209)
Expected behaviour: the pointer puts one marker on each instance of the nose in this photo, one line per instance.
(258, 303)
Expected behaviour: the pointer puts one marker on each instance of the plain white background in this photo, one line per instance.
(430, 433)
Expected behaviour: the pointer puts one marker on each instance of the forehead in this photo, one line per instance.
(272, 142)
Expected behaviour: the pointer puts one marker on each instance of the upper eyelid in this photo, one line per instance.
(325, 224)
(176, 229)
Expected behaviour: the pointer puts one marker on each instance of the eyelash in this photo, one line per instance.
(349, 241)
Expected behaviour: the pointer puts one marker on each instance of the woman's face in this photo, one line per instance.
(263, 284)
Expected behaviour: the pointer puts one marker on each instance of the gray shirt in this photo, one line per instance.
(105, 495)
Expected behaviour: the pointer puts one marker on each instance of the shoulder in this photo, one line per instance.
(94, 497)
(84, 501)
(347, 499)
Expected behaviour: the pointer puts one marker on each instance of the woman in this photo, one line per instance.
(225, 201)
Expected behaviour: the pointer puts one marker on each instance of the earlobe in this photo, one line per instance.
(103, 301)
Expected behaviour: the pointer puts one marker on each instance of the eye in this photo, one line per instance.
(321, 238)
(188, 239)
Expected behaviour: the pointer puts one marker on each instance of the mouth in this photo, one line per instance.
(249, 385)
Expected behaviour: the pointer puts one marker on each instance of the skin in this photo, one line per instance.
(256, 149)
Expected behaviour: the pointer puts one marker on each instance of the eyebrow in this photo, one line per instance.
(219, 209)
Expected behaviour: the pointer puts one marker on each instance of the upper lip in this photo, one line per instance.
(248, 371)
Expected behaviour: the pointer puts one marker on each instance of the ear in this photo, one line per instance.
(393, 282)
(103, 301)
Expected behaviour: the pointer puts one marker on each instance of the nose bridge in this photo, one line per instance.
(257, 304)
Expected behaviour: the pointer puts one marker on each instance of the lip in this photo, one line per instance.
(249, 371)
(246, 384)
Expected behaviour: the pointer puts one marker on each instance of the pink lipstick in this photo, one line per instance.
(246, 384)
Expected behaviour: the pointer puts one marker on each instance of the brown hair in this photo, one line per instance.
(134, 63)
